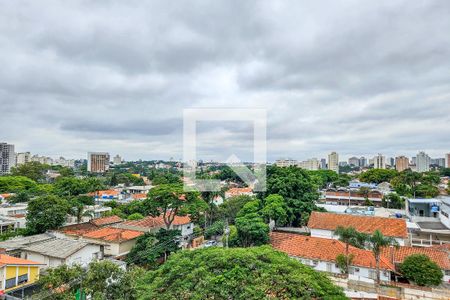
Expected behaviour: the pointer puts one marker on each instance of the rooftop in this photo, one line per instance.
(11, 260)
(323, 249)
(440, 257)
(22, 241)
(59, 248)
(367, 224)
(155, 222)
(106, 220)
(110, 234)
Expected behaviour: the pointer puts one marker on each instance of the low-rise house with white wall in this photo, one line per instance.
(62, 251)
(321, 253)
(439, 255)
(322, 224)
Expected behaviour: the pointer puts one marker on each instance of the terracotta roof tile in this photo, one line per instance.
(111, 234)
(106, 220)
(155, 222)
(323, 249)
(330, 221)
(139, 196)
(78, 229)
(440, 257)
(238, 191)
(10, 260)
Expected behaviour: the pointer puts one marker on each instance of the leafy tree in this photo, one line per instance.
(393, 200)
(231, 207)
(20, 197)
(445, 172)
(233, 239)
(45, 213)
(72, 186)
(350, 236)
(135, 216)
(215, 229)
(168, 200)
(102, 280)
(251, 230)
(33, 170)
(323, 178)
(151, 247)
(275, 208)
(252, 273)
(376, 242)
(421, 270)
(344, 261)
(297, 188)
(15, 184)
(426, 191)
(378, 175)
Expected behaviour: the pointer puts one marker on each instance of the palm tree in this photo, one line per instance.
(376, 242)
(350, 236)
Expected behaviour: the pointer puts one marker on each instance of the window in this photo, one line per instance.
(447, 272)
(372, 274)
(329, 267)
(10, 283)
(22, 279)
(315, 263)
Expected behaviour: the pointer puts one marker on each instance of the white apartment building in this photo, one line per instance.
(286, 162)
(333, 162)
(423, 162)
(7, 158)
(310, 164)
(23, 158)
(117, 160)
(379, 162)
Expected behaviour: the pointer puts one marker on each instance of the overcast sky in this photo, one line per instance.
(356, 77)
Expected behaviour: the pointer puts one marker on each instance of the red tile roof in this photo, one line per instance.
(238, 191)
(366, 224)
(157, 222)
(111, 234)
(440, 257)
(139, 196)
(106, 220)
(105, 193)
(10, 260)
(78, 229)
(323, 249)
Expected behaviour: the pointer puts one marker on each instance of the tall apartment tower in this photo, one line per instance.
(7, 158)
(423, 162)
(98, 162)
(333, 162)
(447, 159)
(401, 163)
(379, 162)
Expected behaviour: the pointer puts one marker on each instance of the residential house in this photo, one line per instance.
(349, 197)
(62, 251)
(17, 273)
(321, 253)
(323, 225)
(233, 192)
(94, 224)
(154, 224)
(116, 241)
(437, 254)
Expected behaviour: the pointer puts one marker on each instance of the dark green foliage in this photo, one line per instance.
(33, 170)
(421, 270)
(151, 248)
(45, 213)
(16, 184)
(393, 200)
(251, 230)
(231, 207)
(215, 229)
(222, 274)
(378, 175)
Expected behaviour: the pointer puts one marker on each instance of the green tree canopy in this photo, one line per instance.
(421, 270)
(275, 208)
(251, 230)
(378, 175)
(231, 207)
(45, 213)
(15, 184)
(221, 274)
(33, 170)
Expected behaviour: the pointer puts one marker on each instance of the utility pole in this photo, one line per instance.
(227, 233)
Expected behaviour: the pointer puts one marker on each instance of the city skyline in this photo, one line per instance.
(356, 79)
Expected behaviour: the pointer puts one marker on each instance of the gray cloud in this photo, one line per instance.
(346, 76)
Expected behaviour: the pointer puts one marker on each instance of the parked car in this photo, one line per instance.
(210, 243)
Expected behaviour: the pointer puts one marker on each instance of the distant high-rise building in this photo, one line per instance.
(363, 162)
(379, 162)
(286, 162)
(333, 162)
(310, 164)
(117, 160)
(353, 161)
(447, 158)
(391, 161)
(323, 163)
(440, 162)
(423, 162)
(7, 158)
(413, 160)
(23, 158)
(98, 162)
(401, 163)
